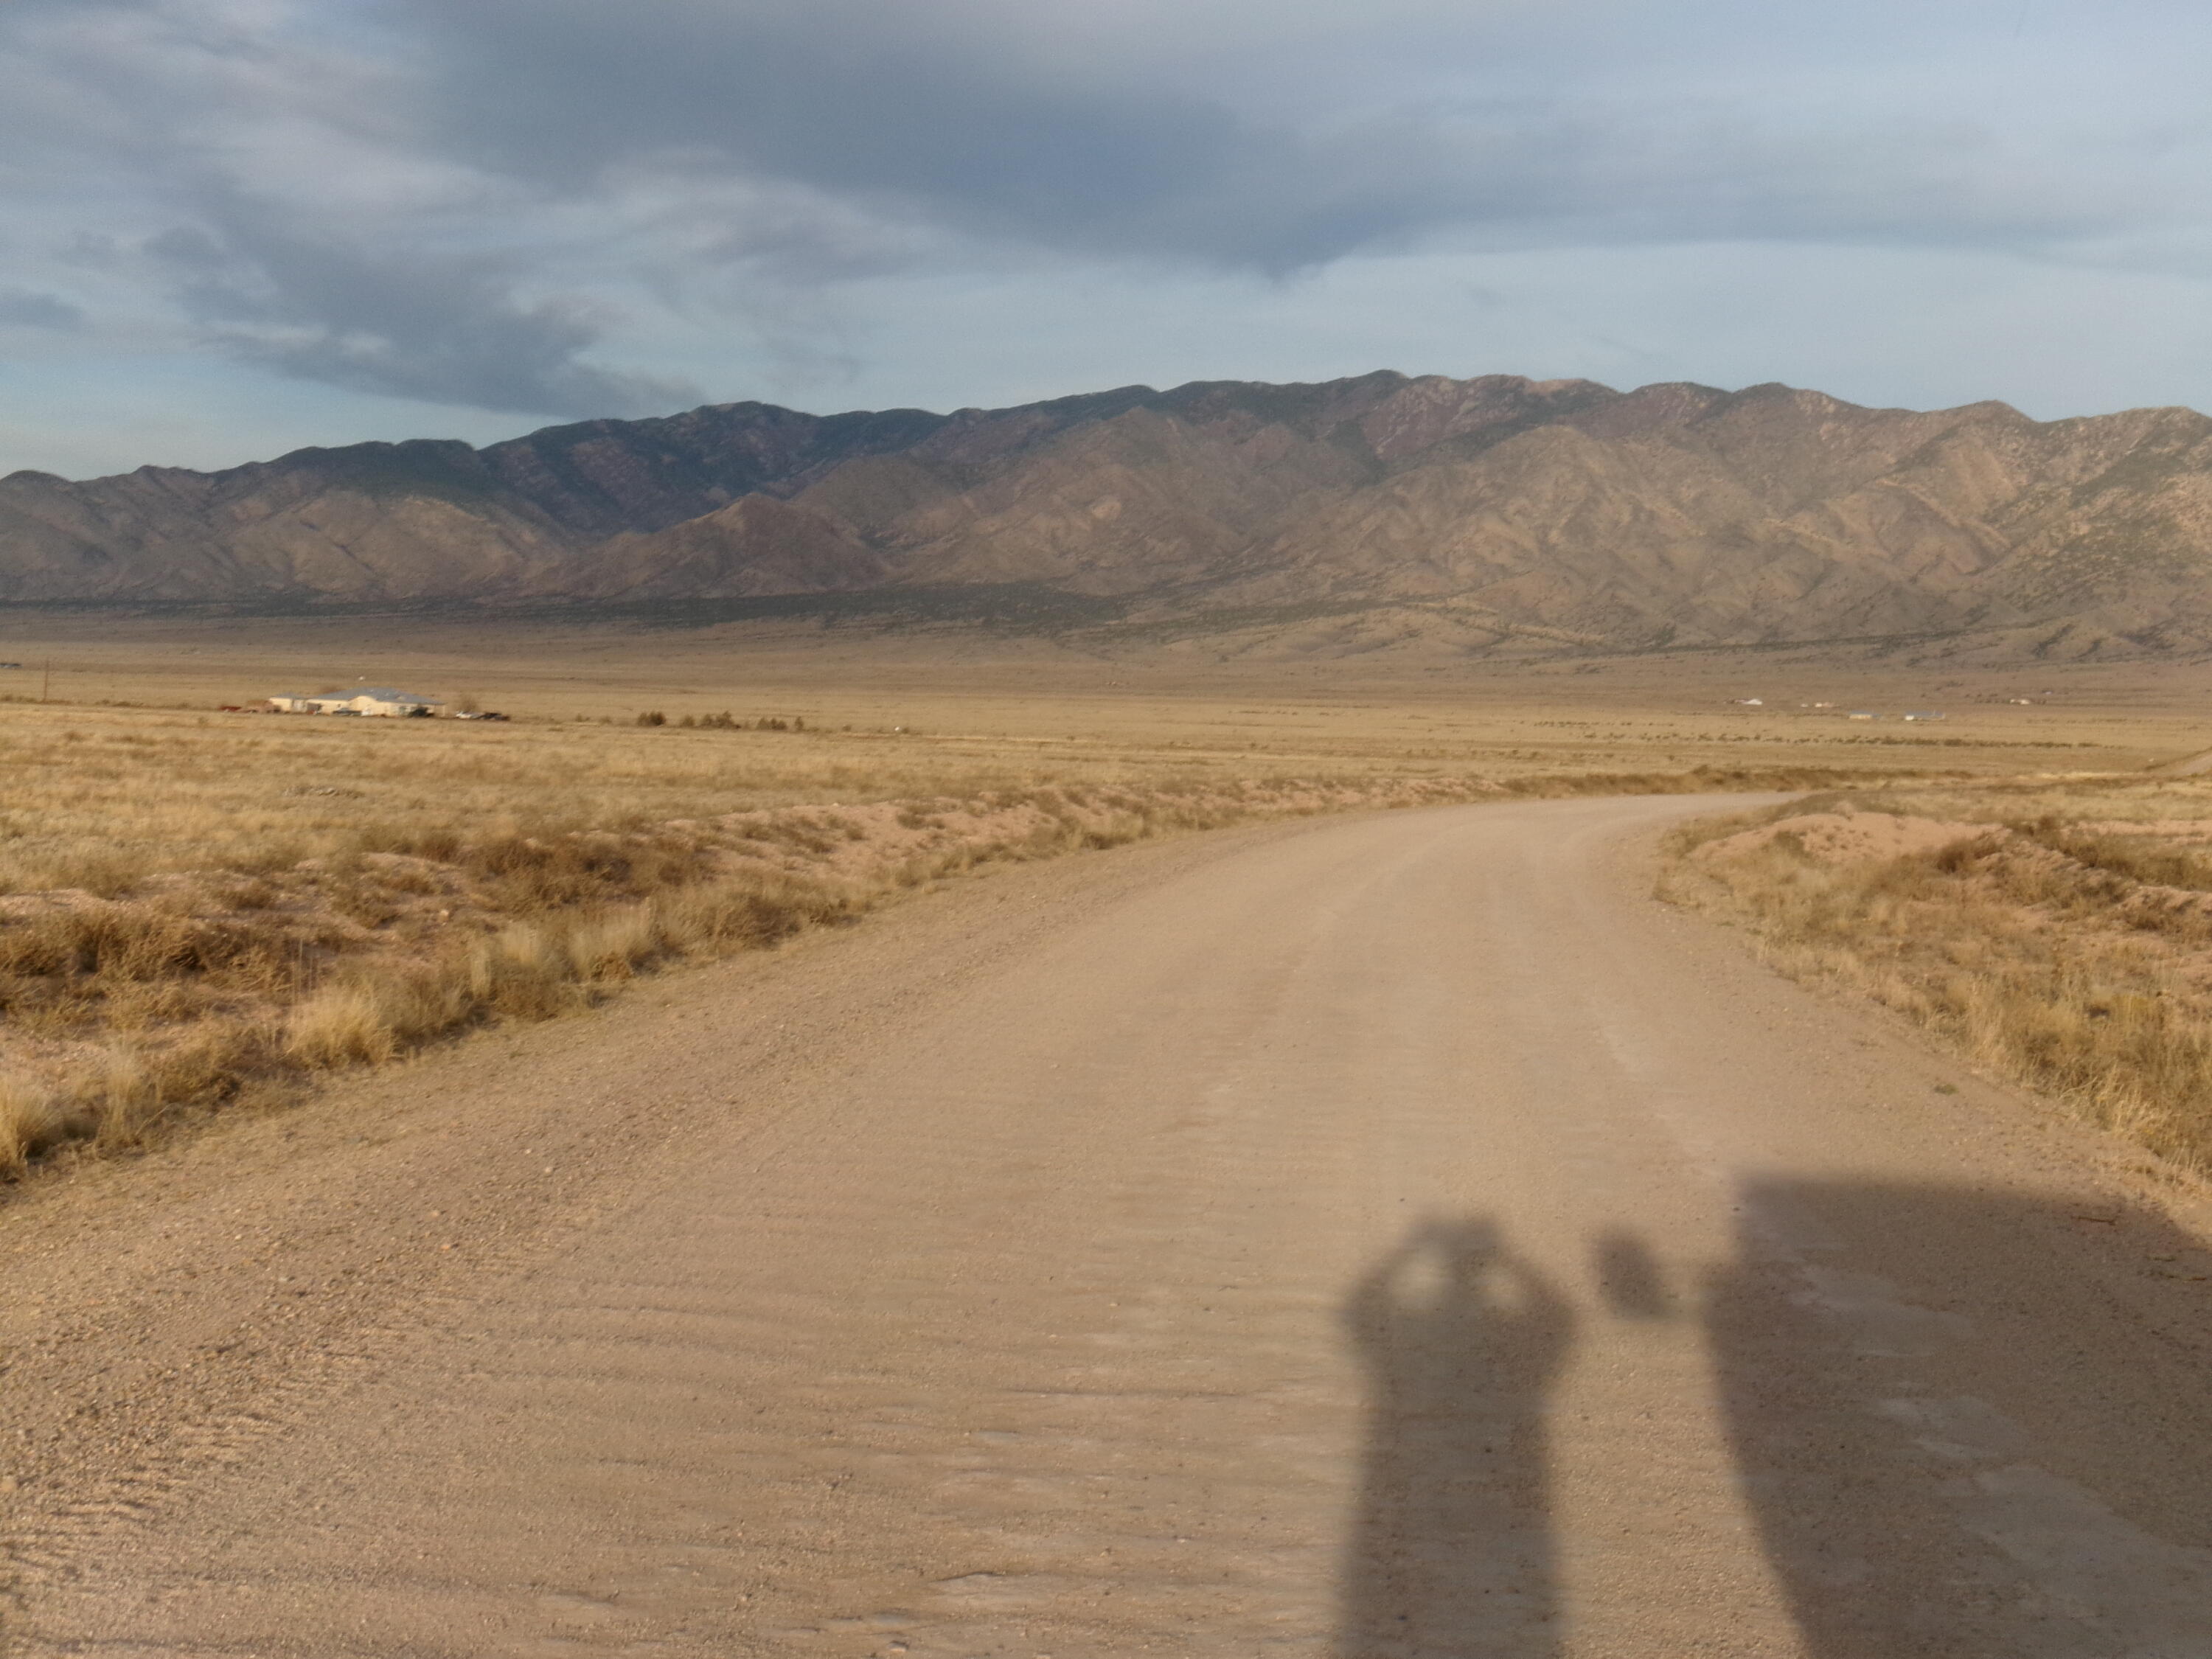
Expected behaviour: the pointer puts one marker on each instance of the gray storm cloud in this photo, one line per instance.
(462, 202)
(24, 308)
(948, 115)
(440, 330)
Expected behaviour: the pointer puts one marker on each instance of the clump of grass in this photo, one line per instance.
(32, 1121)
(124, 1098)
(343, 1023)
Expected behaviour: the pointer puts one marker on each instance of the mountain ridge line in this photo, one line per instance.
(1496, 515)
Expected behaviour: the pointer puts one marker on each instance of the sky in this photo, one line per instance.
(233, 228)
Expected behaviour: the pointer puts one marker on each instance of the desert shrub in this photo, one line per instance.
(247, 893)
(210, 1061)
(372, 1015)
(2132, 859)
(124, 1096)
(754, 912)
(31, 1121)
(123, 942)
(527, 872)
(341, 1024)
(437, 843)
(612, 945)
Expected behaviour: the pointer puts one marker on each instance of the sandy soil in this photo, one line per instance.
(1850, 838)
(1367, 1236)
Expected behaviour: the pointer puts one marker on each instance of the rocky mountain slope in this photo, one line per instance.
(1496, 513)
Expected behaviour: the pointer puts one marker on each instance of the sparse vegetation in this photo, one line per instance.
(2057, 932)
(232, 927)
(232, 902)
(192, 911)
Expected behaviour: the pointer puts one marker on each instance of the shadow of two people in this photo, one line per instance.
(1877, 1452)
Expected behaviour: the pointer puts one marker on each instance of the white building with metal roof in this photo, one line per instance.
(382, 700)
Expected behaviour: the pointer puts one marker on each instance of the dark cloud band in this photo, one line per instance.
(434, 200)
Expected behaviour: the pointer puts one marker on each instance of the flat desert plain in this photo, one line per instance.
(973, 687)
(1340, 1233)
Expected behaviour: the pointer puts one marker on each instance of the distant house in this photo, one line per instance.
(369, 700)
(383, 699)
(1923, 714)
(1862, 714)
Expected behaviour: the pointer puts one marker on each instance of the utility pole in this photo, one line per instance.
(47, 684)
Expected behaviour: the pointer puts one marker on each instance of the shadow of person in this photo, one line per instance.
(1629, 1277)
(1451, 1553)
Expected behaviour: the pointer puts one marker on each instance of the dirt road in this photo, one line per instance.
(1382, 1236)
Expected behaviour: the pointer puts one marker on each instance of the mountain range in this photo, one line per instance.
(1493, 514)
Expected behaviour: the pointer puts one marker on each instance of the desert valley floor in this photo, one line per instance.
(1363, 1233)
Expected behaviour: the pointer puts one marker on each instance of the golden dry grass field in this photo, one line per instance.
(195, 903)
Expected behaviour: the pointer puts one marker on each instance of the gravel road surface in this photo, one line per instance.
(1372, 1237)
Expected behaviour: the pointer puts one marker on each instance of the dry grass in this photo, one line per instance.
(97, 800)
(32, 1121)
(191, 902)
(2066, 944)
(127, 1008)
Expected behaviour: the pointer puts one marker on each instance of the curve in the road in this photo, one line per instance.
(1397, 1238)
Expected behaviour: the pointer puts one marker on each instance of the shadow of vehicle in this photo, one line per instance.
(1969, 1423)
